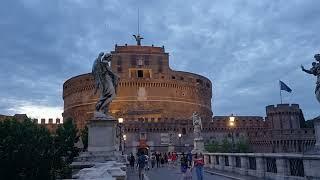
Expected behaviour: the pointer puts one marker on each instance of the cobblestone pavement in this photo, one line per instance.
(166, 173)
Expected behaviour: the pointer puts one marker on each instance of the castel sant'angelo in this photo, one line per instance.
(157, 102)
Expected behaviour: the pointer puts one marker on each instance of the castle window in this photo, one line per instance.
(140, 73)
(133, 60)
(173, 77)
(184, 131)
(140, 62)
(181, 78)
(160, 69)
(146, 60)
(119, 69)
(199, 81)
(119, 62)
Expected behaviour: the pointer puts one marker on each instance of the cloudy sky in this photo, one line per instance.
(244, 47)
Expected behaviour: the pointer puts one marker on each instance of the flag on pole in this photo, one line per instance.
(284, 87)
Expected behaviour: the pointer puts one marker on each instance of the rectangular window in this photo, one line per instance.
(119, 62)
(140, 73)
(133, 60)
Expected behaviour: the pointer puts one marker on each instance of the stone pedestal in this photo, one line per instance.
(317, 133)
(171, 148)
(316, 149)
(101, 143)
(102, 135)
(198, 145)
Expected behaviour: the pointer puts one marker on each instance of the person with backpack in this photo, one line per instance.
(141, 165)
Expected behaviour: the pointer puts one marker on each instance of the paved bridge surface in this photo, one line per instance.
(165, 173)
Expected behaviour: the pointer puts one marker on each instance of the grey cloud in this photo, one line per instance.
(244, 47)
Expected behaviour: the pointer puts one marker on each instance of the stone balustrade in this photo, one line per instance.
(266, 165)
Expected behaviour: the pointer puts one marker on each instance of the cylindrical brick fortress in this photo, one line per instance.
(148, 89)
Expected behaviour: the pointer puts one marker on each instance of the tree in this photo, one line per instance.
(65, 138)
(213, 147)
(226, 146)
(26, 151)
(84, 138)
(242, 146)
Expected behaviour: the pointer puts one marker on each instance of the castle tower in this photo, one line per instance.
(148, 90)
(284, 116)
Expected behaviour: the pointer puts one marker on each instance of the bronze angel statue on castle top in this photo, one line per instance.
(105, 81)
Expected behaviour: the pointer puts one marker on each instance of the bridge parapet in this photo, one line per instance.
(266, 165)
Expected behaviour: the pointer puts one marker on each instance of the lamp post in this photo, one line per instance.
(180, 135)
(124, 142)
(120, 121)
(231, 125)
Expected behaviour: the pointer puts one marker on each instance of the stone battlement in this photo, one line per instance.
(140, 49)
(47, 121)
(282, 107)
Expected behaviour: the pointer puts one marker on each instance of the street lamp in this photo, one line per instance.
(120, 121)
(180, 135)
(124, 142)
(231, 125)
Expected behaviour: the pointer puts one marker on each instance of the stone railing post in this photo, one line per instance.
(232, 162)
(282, 167)
(221, 162)
(260, 164)
(213, 161)
(206, 160)
(244, 165)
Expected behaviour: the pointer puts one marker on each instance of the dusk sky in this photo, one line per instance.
(243, 47)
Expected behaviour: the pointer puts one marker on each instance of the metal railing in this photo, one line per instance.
(267, 165)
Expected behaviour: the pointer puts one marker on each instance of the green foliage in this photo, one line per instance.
(309, 124)
(29, 151)
(26, 151)
(213, 147)
(66, 137)
(242, 146)
(84, 138)
(225, 146)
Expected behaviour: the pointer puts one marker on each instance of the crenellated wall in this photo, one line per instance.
(284, 116)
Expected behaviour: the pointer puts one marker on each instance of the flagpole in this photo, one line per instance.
(280, 92)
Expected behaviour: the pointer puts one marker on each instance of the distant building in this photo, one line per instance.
(286, 131)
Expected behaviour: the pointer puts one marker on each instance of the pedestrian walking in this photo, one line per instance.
(198, 164)
(132, 161)
(158, 159)
(183, 165)
(162, 161)
(169, 159)
(153, 160)
(174, 158)
(189, 158)
(141, 165)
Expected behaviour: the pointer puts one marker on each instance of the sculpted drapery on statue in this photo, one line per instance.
(315, 70)
(197, 125)
(105, 81)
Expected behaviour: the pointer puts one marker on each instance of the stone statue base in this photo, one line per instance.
(171, 148)
(101, 143)
(316, 148)
(102, 133)
(198, 146)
